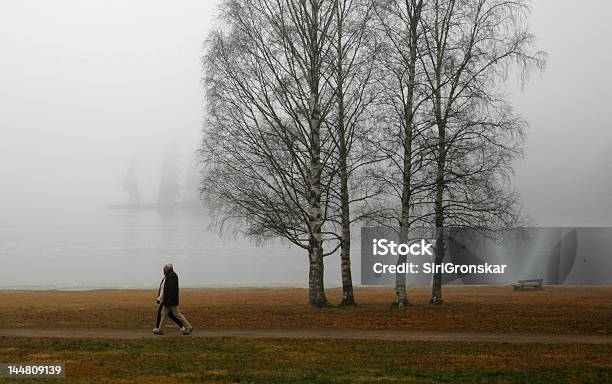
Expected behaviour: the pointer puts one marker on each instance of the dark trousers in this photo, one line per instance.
(170, 315)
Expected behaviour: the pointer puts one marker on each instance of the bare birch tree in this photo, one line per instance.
(470, 47)
(351, 122)
(265, 152)
(404, 95)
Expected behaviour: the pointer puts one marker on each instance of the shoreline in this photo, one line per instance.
(271, 287)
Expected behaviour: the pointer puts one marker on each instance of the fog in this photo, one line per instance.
(87, 86)
(566, 177)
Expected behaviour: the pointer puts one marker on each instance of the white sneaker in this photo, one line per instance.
(158, 331)
(187, 331)
(182, 329)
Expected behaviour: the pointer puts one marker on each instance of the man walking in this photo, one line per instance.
(170, 302)
(160, 299)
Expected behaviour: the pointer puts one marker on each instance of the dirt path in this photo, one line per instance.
(397, 335)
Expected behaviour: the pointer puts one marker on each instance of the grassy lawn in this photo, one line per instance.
(555, 309)
(312, 361)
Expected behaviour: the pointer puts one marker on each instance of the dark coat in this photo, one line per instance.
(171, 289)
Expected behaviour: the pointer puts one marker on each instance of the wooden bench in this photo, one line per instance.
(532, 283)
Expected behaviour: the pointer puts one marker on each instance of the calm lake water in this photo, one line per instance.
(127, 249)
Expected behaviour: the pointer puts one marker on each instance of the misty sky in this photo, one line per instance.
(87, 85)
